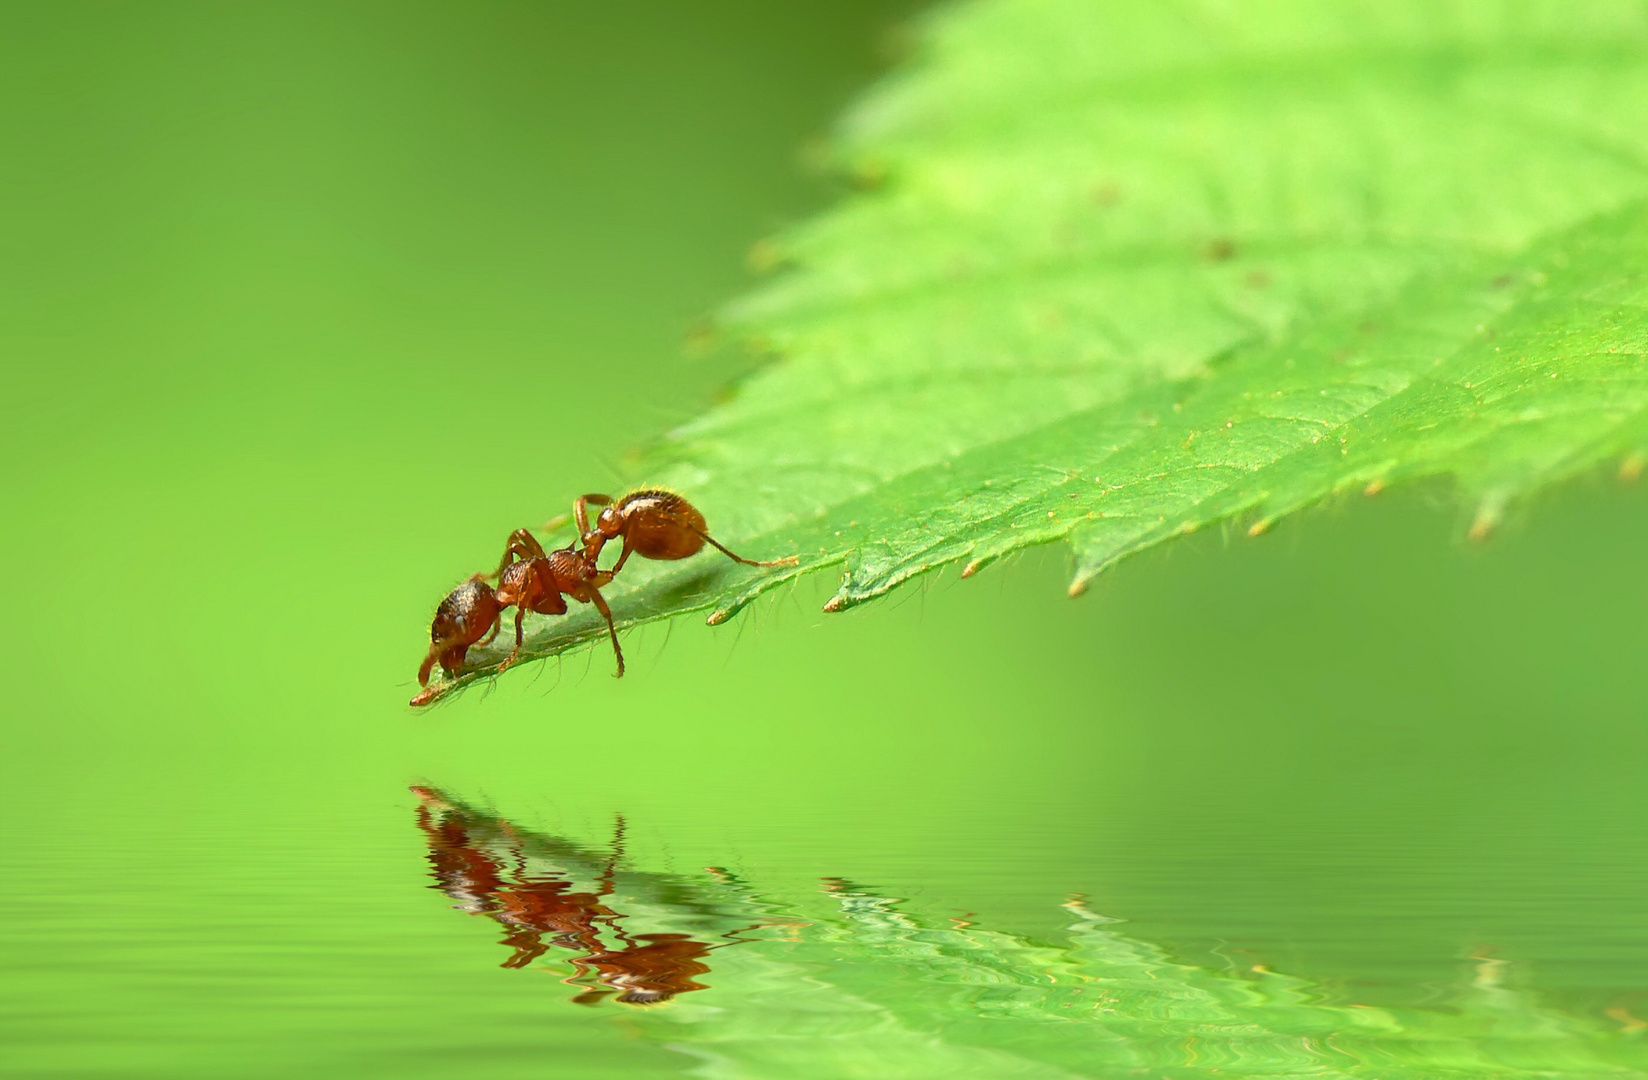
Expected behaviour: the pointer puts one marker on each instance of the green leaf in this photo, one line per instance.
(1124, 271)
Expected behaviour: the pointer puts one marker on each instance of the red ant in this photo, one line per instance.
(653, 523)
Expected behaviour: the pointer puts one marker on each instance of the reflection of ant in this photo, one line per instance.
(480, 862)
(653, 523)
(527, 909)
(645, 974)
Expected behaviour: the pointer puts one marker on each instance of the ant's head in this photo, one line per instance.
(463, 618)
(610, 523)
(466, 613)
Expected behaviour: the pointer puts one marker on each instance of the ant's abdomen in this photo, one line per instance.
(662, 525)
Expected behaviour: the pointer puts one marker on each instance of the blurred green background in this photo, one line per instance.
(303, 307)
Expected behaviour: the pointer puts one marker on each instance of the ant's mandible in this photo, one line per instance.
(534, 580)
(653, 523)
(470, 615)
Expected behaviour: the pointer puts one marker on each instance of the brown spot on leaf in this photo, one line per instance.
(764, 256)
(1219, 249)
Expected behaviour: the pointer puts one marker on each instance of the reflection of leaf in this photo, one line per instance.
(1132, 269)
(846, 984)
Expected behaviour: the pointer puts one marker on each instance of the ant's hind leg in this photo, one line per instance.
(606, 613)
(788, 560)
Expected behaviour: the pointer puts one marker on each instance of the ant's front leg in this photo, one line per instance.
(508, 661)
(521, 544)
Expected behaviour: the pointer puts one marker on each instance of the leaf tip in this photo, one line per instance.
(1374, 487)
(835, 603)
(1260, 527)
(428, 695)
(975, 566)
(1631, 467)
(718, 616)
(1077, 587)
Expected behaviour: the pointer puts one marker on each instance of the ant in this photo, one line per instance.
(537, 581)
(470, 615)
(654, 523)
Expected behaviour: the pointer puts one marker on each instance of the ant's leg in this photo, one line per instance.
(580, 509)
(609, 879)
(528, 946)
(511, 549)
(606, 613)
(521, 543)
(623, 557)
(735, 939)
(520, 613)
(497, 621)
(788, 560)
